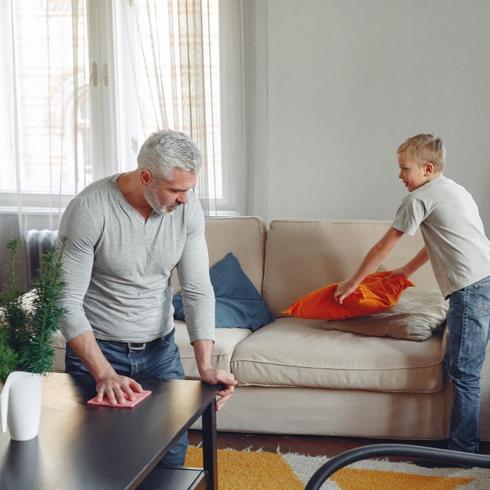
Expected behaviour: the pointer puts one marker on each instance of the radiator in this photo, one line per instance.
(36, 243)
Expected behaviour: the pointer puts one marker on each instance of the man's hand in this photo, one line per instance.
(117, 388)
(203, 350)
(218, 376)
(344, 289)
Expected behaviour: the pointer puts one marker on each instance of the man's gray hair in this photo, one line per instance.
(165, 151)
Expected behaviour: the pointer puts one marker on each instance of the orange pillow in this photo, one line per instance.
(376, 293)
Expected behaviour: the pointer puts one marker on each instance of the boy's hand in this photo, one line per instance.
(401, 271)
(343, 290)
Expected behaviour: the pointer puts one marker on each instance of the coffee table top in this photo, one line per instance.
(87, 447)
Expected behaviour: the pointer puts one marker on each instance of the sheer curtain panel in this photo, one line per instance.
(168, 63)
(46, 116)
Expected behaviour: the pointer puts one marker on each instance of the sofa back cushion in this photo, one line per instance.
(304, 255)
(244, 237)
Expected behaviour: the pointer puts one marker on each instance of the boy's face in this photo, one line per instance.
(411, 173)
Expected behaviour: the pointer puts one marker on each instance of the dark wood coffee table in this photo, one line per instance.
(86, 447)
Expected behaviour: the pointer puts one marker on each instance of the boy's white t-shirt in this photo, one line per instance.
(452, 229)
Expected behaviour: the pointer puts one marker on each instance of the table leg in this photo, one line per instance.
(210, 446)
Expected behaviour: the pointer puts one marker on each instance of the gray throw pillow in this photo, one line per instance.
(416, 316)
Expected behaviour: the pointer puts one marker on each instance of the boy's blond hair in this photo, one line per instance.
(425, 148)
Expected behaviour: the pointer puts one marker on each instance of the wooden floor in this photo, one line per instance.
(309, 445)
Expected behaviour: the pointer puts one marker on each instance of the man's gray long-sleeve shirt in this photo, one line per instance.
(117, 268)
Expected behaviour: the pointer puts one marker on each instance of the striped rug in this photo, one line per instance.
(261, 470)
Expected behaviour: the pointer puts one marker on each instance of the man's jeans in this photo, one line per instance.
(468, 323)
(160, 360)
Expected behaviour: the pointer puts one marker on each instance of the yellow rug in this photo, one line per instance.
(260, 470)
(247, 470)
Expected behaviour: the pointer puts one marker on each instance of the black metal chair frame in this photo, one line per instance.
(435, 455)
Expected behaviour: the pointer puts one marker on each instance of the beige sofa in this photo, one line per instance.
(298, 378)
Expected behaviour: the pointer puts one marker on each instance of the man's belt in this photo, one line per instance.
(132, 345)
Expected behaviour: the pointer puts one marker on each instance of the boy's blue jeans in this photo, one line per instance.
(160, 360)
(468, 323)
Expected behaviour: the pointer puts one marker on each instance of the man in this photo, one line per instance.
(123, 235)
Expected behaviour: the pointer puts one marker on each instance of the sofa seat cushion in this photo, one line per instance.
(226, 340)
(300, 353)
(58, 343)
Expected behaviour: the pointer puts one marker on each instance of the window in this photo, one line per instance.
(88, 81)
(46, 116)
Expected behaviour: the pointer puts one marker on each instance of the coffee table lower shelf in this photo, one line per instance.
(176, 479)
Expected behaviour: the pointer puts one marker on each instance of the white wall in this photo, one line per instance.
(345, 82)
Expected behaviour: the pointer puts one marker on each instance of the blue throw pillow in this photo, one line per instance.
(238, 303)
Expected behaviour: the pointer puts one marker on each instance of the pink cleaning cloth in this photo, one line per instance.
(138, 397)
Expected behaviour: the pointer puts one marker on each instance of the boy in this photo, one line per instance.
(459, 252)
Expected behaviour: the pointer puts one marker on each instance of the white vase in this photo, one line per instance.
(21, 402)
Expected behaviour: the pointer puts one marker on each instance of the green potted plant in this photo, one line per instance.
(27, 324)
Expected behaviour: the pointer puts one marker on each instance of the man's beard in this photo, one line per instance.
(152, 199)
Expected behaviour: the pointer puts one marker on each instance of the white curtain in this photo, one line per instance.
(172, 49)
(47, 111)
(165, 73)
(44, 117)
